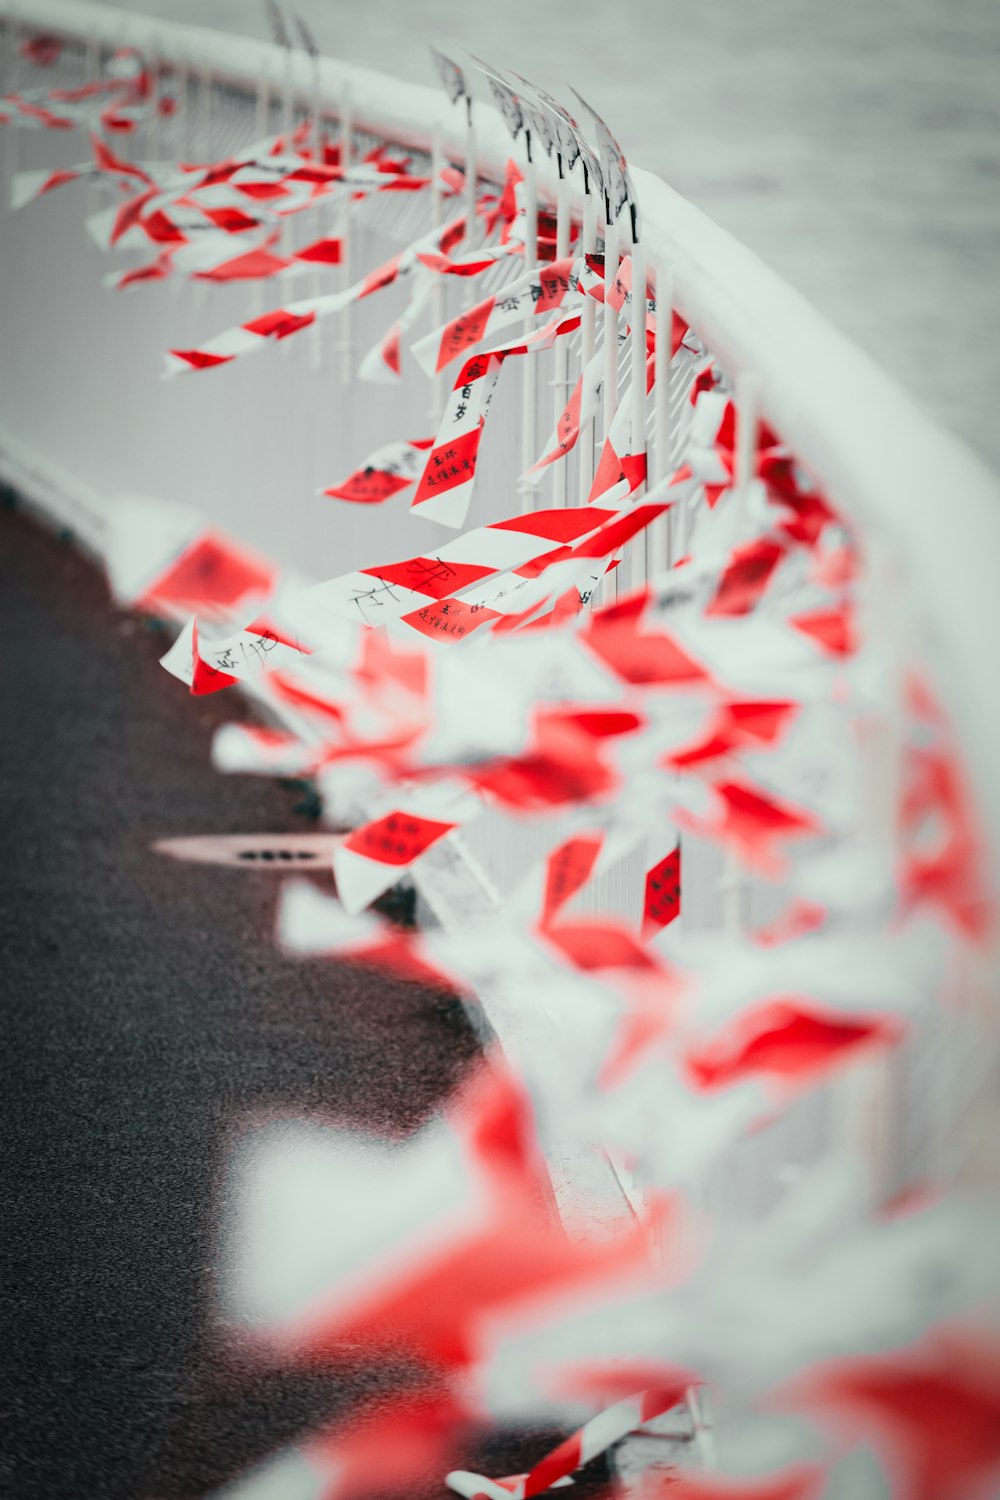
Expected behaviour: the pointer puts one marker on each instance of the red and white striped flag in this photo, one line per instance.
(383, 474)
(446, 486)
(539, 294)
(283, 322)
(587, 1443)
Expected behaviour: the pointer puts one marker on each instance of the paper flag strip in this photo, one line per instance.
(383, 474)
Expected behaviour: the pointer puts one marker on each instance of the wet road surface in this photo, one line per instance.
(146, 1014)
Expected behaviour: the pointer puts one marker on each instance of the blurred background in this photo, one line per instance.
(854, 147)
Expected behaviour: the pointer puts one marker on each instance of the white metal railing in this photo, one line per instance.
(78, 426)
(898, 474)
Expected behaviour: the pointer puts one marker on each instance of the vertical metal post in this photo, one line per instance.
(183, 111)
(471, 178)
(125, 144)
(471, 182)
(747, 424)
(287, 120)
(316, 109)
(11, 71)
(287, 123)
(871, 1090)
(154, 122)
(317, 113)
(437, 290)
(92, 58)
(9, 53)
(529, 425)
(661, 531)
(92, 67)
(262, 106)
(207, 86)
(588, 343)
(182, 133)
(747, 399)
(346, 137)
(205, 123)
(561, 361)
(609, 587)
(611, 261)
(637, 548)
(262, 130)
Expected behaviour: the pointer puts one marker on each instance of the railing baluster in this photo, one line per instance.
(561, 353)
(609, 589)
(638, 570)
(529, 414)
(316, 111)
(437, 292)
(661, 533)
(471, 175)
(588, 345)
(747, 400)
(346, 319)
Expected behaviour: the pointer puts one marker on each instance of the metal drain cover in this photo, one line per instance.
(254, 851)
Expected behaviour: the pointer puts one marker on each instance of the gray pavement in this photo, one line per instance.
(146, 1014)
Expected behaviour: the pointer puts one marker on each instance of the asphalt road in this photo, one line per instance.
(146, 1012)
